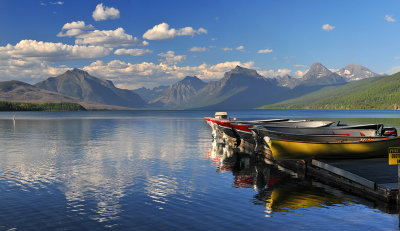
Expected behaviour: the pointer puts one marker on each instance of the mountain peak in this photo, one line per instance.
(192, 81)
(190, 78)
(77, 71)
(354, 72)
(317, 70)
(238, 68)
(319, 75)
(319, 67)
(242, 71)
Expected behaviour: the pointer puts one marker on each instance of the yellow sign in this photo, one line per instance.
(394, 155)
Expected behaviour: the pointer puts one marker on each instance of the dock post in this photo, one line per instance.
(398, 183)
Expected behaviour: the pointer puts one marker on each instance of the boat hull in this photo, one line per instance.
(291, 149)
(246, 136)
(229, 132)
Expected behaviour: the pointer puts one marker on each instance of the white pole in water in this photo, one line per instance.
(13, 120)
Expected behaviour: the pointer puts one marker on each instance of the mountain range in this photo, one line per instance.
(179, 93)
(79, 84)
(238, 88)
(17, 91)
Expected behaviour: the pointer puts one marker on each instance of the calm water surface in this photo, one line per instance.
(160, 170)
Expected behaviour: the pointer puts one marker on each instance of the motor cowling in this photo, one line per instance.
(389, 131)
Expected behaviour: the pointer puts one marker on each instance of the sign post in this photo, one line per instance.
(394, 155)
(394, 159)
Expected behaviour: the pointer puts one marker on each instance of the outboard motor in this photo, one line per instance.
(389, 131)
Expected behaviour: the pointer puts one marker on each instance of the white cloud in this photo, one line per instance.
(226, 49)
(389, 18)
(49, 51)
(102, 13)
(163, 32)
(29, 71)
(300, 65)
(57, 3)
(109, 38)
(74, 29)
(300, 73)
(283, 72)
(171, 59)
(267, 73)
(31, 59)
(201, 30)
(133, 52)
(70, 33)
(328, 27)
(198, 49)
(273, 73)
(264, 51)
(240, 48)
(393, 70)
(77, 25)
(217, 70)
(52, 3)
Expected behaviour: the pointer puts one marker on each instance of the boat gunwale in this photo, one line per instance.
(368, 140)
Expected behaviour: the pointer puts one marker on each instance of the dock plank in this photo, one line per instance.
(346, 174)
(375, 169)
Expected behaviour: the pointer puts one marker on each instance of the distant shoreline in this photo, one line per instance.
(69, 106)
(25, 106)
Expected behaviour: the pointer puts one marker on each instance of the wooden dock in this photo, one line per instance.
(372, 179)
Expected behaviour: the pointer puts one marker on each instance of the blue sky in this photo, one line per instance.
(150, 43)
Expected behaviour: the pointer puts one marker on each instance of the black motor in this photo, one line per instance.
(389, 131)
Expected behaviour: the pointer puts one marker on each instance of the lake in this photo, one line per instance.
(161, 170)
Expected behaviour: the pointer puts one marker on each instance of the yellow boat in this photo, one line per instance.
(363, 148)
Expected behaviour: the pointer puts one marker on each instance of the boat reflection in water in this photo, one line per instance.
(296, 197)
(245, 169)
(275, 189)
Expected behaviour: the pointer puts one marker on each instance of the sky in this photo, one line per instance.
(151, 43)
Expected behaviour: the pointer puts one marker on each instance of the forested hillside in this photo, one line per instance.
(371, 93)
